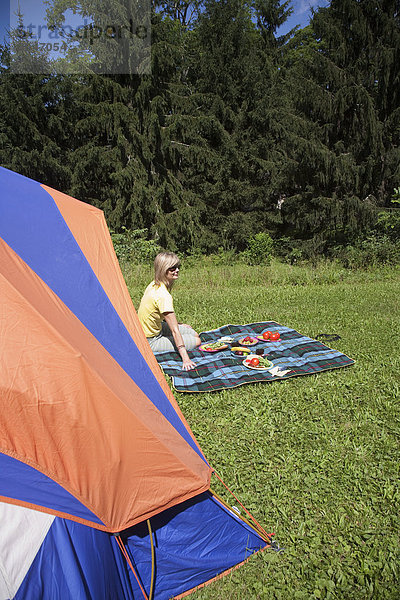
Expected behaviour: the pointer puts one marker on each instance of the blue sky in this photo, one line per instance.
(301, 14)
(34, 11)
(4, 17)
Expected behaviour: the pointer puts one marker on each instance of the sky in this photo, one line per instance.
(34, 13)
(4, 17)
(301, 14)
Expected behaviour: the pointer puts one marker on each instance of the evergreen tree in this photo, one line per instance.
(131, 144)
(269, 16)
(234, 130)
(186, 12)
(115, 37)
(343, 160)
(240, 69)
(168, 125)
(34, 125)
(362, 41)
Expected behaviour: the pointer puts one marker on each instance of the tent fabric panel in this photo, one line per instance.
(119, 455)
(216, 578)
(26, 210)
(22, 534)
(21, 481)
(194, 542)
(89, 228)
(76, 562)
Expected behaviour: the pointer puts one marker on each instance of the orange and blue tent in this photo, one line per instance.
(104, 490)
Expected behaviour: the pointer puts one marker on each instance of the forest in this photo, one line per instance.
(231, 131)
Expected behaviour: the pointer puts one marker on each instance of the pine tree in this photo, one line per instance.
(240, 68)
(363, 42)
(115, 37)
(34, 125)
(223, 75)
(343, 161)
(269, 16)
(131, 141)
(166, 109)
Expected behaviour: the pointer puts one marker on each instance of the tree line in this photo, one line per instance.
(235, 130)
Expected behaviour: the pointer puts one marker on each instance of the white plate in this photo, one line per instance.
(248, 359)
(253, 343)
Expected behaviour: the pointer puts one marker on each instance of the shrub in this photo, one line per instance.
(131, 245)
(396, 196)
(388, 223)
(372, 251)
(224, 257)
(259, 249)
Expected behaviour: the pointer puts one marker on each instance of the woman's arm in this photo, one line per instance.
(172, 323)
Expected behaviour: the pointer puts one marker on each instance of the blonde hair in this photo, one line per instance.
(162, 262)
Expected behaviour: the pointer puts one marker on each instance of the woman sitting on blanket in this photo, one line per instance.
(157, 316)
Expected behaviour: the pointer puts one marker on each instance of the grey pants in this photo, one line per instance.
(164, 341)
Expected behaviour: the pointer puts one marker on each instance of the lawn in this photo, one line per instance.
(315, 459)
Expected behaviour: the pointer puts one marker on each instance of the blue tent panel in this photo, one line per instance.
(23, 482)
(76, 562)
(194, 542)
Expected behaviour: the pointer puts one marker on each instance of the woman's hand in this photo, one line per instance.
(188, 365)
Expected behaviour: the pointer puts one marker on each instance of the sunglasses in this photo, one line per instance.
(174, 268)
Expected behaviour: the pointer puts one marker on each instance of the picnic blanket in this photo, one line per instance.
(292, 355)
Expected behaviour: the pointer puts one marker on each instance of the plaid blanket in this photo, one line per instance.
(292, 355)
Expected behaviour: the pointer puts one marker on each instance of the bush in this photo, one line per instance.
(371, 251)
(131, 245)
(396, 196)
(388, 224)
(224, 257)
(259, 249)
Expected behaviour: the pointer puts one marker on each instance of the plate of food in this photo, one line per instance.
(269, 336)
(248, 341)
(240, 351)
(212, 346)
(258, 363)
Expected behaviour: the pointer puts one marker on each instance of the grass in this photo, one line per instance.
(316, 458)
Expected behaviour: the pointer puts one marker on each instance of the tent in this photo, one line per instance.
(104, 491)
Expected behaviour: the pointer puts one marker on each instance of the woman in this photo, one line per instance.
(157, 316)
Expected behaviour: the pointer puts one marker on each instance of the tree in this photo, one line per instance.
(231, 75)
(333, 70)
(269, 16)
(115, 38)
(34, 124)
(130, 143)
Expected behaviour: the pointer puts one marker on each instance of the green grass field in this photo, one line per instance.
(315, 459)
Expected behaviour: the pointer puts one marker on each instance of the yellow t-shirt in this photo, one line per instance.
(156, 301)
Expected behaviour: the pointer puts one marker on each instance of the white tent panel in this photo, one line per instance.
(22, 532)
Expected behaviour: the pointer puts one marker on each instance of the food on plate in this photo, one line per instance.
(266, 335)
(274, 336)
(212, 346)
(257, 362)
(239, 351)
(248, 341)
